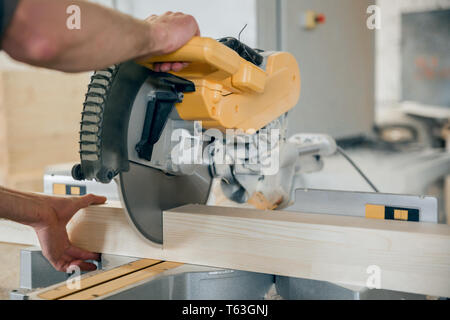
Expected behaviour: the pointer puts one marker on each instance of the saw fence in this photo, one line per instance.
(408, 256)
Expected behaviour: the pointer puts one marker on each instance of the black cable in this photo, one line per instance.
(345, 155)
(239, 35)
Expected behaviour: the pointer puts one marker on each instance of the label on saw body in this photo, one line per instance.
(376, 211)
(66, 189)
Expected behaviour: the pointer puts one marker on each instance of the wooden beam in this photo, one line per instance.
(12, 232)
(411, 256)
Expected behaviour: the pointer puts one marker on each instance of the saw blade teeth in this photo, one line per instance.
(89, 138)
(99, 90)
(89, 147)
(92, 115)
(92, 108)
(90, 118)
(89, 157)
(100, 82)
(106, 73)
(89, 128)
(93, 100)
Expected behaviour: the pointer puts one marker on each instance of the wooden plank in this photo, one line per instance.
(122, 282)
(61, 291)
(412, 257)
(12, 232)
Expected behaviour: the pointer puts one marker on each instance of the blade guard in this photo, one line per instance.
(106, 113)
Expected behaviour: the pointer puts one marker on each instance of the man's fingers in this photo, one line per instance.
(170, 66)
(83, 265)
(158, 66)
(91, 199)
(197, 33)
(195, 25)
(82, 254)
(86, 201)
(62, 264)
(97, 199)
(177, 66)
(165, 67)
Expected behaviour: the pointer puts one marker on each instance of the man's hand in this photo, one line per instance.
(55, 213)
(38, 35)
(170, 32)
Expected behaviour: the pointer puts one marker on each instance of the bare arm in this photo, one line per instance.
(49, 216)
(38, 35)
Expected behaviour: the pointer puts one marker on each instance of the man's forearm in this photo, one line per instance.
(20, 206)
(38, 35)
(49, 215)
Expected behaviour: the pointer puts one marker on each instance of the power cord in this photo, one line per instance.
(345, 155)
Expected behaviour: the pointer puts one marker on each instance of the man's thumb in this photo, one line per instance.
(91, 199)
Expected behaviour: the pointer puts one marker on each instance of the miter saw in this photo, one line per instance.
(213, 133)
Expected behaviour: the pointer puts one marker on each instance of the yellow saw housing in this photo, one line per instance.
(231, 92)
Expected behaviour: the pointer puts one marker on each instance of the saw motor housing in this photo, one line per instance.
(230, 91)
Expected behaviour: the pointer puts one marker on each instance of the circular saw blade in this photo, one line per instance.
(146, 192)
(112, 125)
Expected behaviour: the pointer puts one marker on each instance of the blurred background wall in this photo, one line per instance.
(388, 45)
(216, 19)
(39, 121)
